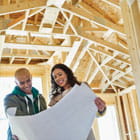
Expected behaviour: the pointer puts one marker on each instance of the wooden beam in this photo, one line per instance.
(119, 84)
(107, 53)
(44, 85)
(80, 54)
(19, 20)
(113, 3)
(114, 67)
(18, 7)
(25, 20)
(93, 75)
(49, 17)
(2, 39)
(12, 60)
(50, 61)
(15, 22)
(92, 7)
(105, 43)
(94, 18)
(88, 70)
(121, 118)
(36, 47)
(104, 74)
(129, 117)
(73, 52)
(9, 70)
(106, 60)
(38, 34)
(116, 77)
(68, 23)
(34, 56)
(127, 90)
(136, 113)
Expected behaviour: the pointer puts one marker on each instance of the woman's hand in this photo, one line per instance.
(14, 137)
(100, 104)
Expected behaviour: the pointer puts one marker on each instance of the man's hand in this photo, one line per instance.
(14, 137)
(100, 104)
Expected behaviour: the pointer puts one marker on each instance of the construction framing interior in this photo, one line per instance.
(98, 39)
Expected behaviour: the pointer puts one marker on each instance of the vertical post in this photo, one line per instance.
(2, 39)
(46, 82)
(135, 111)
(121, 118)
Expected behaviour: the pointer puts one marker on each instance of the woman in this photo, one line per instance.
(62, 80)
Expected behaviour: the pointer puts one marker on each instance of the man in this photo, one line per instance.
(24, 99)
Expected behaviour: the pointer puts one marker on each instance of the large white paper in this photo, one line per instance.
(70, 119)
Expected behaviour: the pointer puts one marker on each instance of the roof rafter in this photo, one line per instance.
(93, 18)
(104, 43)
(18, 7)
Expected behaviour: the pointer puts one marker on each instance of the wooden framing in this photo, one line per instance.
(131, 18)
(102, 48)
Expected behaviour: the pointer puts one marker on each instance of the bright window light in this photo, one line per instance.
(108, 126)
(6, 86)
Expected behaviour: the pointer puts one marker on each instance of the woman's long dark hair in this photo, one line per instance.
(72, 80)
